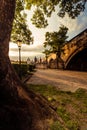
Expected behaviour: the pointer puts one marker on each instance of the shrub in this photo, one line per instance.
(20, 69)
(31, 67)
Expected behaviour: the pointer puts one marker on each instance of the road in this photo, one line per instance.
(61, 79)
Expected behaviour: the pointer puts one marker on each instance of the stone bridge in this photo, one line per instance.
(75, 53)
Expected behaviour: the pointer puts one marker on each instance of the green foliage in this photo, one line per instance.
(46, 7)
(20, 29)
(47, 53)
(72, 8)
(56, 126)
(81, 93)
(56, 40)
(43, 9)
(24, 69)
(38, 19)
(31, 67)
(21, 70)
(19, 6)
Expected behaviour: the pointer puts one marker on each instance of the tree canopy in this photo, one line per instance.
(56, 40)
(20, 30)
(42, 10)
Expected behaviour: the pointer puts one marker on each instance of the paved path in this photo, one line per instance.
(61, 79)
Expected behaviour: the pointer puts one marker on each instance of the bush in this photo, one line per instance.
(31, 67)
(20, 69)
(23, 69)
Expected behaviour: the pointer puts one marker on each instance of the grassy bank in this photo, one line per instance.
(71, 107)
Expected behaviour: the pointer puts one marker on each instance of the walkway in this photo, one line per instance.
(61, 79)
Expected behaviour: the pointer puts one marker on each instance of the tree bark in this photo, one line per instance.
(19, 109)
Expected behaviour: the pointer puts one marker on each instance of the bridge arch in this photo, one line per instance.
(78, 60)
(75, 57)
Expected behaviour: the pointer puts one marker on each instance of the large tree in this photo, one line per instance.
(19, 109)
(56, 40)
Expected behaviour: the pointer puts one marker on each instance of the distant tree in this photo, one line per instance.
(46, 52)
(56, 40)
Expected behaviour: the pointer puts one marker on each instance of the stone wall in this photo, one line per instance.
(41, 66)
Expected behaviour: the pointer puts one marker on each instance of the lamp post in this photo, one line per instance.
(19, 47)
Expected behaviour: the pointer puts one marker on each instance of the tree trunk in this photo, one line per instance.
(60, 62)
(19, 109)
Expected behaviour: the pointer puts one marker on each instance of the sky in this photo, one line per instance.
(75, 26)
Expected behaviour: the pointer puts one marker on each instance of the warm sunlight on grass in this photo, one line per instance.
(71, 107)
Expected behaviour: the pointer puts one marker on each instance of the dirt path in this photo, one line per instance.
(61, 79)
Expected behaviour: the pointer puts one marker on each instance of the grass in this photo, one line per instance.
(56, 126)
(71, 107)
